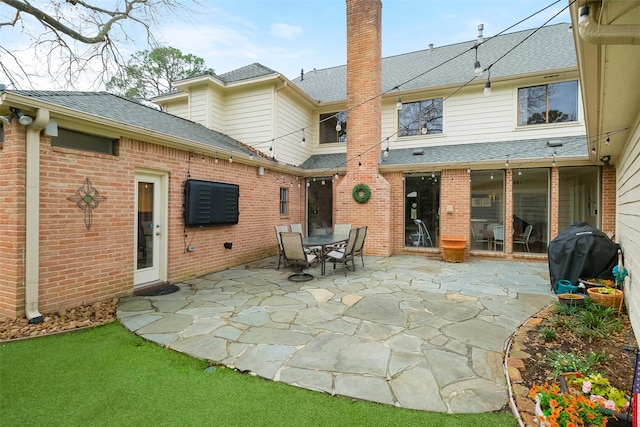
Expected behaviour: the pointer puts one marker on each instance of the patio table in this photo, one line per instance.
(324, 240)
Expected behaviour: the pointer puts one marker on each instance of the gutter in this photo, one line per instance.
(32, 246)
(594, 32)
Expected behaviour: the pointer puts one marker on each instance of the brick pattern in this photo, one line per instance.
(364, 113)
(80, 266)
(12, 220)
(455, 192)
(608, 199)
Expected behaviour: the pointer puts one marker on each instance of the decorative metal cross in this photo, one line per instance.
(87, 198)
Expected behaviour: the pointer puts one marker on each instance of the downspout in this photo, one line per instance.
(32, 246)
(593, 32)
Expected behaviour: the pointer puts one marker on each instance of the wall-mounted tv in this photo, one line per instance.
(209, 203)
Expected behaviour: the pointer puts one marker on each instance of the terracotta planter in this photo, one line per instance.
(571, 299)
(609, 300)
(453, 248)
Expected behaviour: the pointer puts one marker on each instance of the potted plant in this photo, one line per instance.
(607, 296)
(571, 299)
(554, 408)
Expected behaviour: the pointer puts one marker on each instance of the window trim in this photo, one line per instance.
(553, 124)
(284, 201)
(419, 133)
(81, 146)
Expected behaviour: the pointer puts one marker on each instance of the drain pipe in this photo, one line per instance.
(32, 246)
(593, 32)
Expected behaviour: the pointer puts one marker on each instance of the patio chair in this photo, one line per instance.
(344, 255)
(523, 238)
(295, 254)
(422, 236)
(477, 237)
(498, 237)
(340, 229)
(359, 245)
(297, 228)
(280, 229)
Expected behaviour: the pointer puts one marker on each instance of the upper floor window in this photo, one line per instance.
(420, 117)
(83, 141)
(551, 103)
(333, 127)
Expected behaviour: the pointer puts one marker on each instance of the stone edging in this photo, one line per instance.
(514, 363)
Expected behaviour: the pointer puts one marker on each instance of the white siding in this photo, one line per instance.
(291, 118)
(216, 109)
(470, 116)
(628, 221)
(178, 109)
(199, 105)
(248, 114)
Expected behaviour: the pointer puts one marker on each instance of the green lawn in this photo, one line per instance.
(107, 376)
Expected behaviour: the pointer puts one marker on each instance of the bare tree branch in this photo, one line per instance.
(77, 37)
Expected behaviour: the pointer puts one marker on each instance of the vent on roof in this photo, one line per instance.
(418, 152)
(430, 47)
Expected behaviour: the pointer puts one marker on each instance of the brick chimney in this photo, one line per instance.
(364, 107)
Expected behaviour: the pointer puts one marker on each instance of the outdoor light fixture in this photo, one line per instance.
(23, 119)
(605, 160)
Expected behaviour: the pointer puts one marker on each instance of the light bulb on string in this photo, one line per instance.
(487, 85)
(608, 140)
(216, 161)
(230, 159)
(303, 141)
(491, 177)
(399, 104)
(322, 182)
(338, 126)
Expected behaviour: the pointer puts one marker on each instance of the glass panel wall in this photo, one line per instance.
(487, 210)
(531, 210)
(319, 206)
(422, 209)
(579, 196)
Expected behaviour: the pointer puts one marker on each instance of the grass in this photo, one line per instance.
(107, 376)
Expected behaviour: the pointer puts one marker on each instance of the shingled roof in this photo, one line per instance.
(536, 50)
(519, 153)
(122, 110)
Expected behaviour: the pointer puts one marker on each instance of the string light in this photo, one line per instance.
(608, 140)
(230, 159)
(399, 104)
(303, 138)
(487, 85)
(506, 164)
(338, 126)
(216, 161)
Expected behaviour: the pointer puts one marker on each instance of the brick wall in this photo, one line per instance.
(79, 266)
(609, 199)
(12, 220)
(364, 112)
(455, 192)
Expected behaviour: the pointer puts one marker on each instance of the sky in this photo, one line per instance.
(288, 36)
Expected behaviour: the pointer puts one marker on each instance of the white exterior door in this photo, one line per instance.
(150, 228)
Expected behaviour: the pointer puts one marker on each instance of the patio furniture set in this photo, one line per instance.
(340, 247)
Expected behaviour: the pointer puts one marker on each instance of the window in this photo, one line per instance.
(552, 103)
(83, 141)
(284, 201)
(420, 118)
(333, 127)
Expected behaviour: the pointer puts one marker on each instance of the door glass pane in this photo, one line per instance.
(530, 210)
(422, 210)
(487, 210)
(579, 201)
(145, 225)
(319, 206)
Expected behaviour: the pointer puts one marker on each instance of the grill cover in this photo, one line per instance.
(581, 251)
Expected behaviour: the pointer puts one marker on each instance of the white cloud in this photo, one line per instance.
(285, 31)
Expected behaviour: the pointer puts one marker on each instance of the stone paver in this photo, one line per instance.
(404, 330)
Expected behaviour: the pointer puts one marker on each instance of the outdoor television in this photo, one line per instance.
(209, 203)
